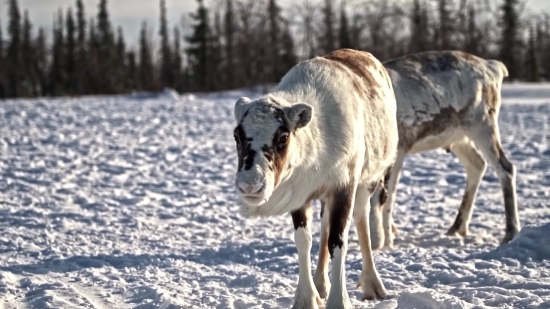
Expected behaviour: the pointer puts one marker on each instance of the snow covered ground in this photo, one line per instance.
(127, 202)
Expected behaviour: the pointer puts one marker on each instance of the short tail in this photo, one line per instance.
(498, 66)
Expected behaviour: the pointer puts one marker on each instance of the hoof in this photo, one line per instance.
(394, 229)
(372, 287)
(322, 284)
(456, 231)
(339, 304)
(388, 245)
(511, 234)
(312, 302)
(377, 244)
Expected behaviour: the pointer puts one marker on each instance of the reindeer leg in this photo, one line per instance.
(321, 279)
(475, 168)
(340, 206)
(383, 207)
(487, 139)
(306, 294)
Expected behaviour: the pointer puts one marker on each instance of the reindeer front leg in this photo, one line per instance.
(321, 279)
(306, 293)
(340, 207)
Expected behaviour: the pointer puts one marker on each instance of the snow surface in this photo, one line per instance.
(128, 202)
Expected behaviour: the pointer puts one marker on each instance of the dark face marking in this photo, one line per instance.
(277, 152)
(339, 217)
(249, 161)
(245, 153)
(268, 153)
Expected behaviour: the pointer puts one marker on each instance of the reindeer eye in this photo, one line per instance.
(283, 139)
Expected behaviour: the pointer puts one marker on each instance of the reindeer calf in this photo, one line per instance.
(327, 132)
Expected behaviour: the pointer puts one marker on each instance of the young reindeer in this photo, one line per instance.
(449, 100)
(327, 132)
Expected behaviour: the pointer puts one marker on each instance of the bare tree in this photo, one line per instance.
(306, 15)
(376, 14)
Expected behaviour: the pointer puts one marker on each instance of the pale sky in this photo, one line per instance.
(130, 13)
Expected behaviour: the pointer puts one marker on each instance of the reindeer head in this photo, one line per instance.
(263, 135)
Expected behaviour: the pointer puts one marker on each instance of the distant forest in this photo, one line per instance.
(228, 44)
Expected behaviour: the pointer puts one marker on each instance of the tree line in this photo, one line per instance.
(230, 44)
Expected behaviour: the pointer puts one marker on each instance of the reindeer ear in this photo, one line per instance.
(299, 115)
(240, 108)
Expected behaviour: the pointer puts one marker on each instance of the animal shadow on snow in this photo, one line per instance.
(258, 254)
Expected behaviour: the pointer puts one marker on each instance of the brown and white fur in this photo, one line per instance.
(327, 132)
(449, 100)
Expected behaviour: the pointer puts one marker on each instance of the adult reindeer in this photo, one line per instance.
(449, 100)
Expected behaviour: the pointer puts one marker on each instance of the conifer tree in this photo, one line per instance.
(92, 60)
(13, 53)
(121, 82)
(545, 48)
(27, 49)
(177, 61)
(106, 49)
(198, 50)
(56, 74)
(1, 41)
(166, 76)
(2, 65)
(71, 54)
(215, 58)
(509, 44)
(145, 60)
(532, 61)
(83, 65)
(132, 71)
(41, 62)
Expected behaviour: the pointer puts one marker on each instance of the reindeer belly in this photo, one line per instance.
(441, 140)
